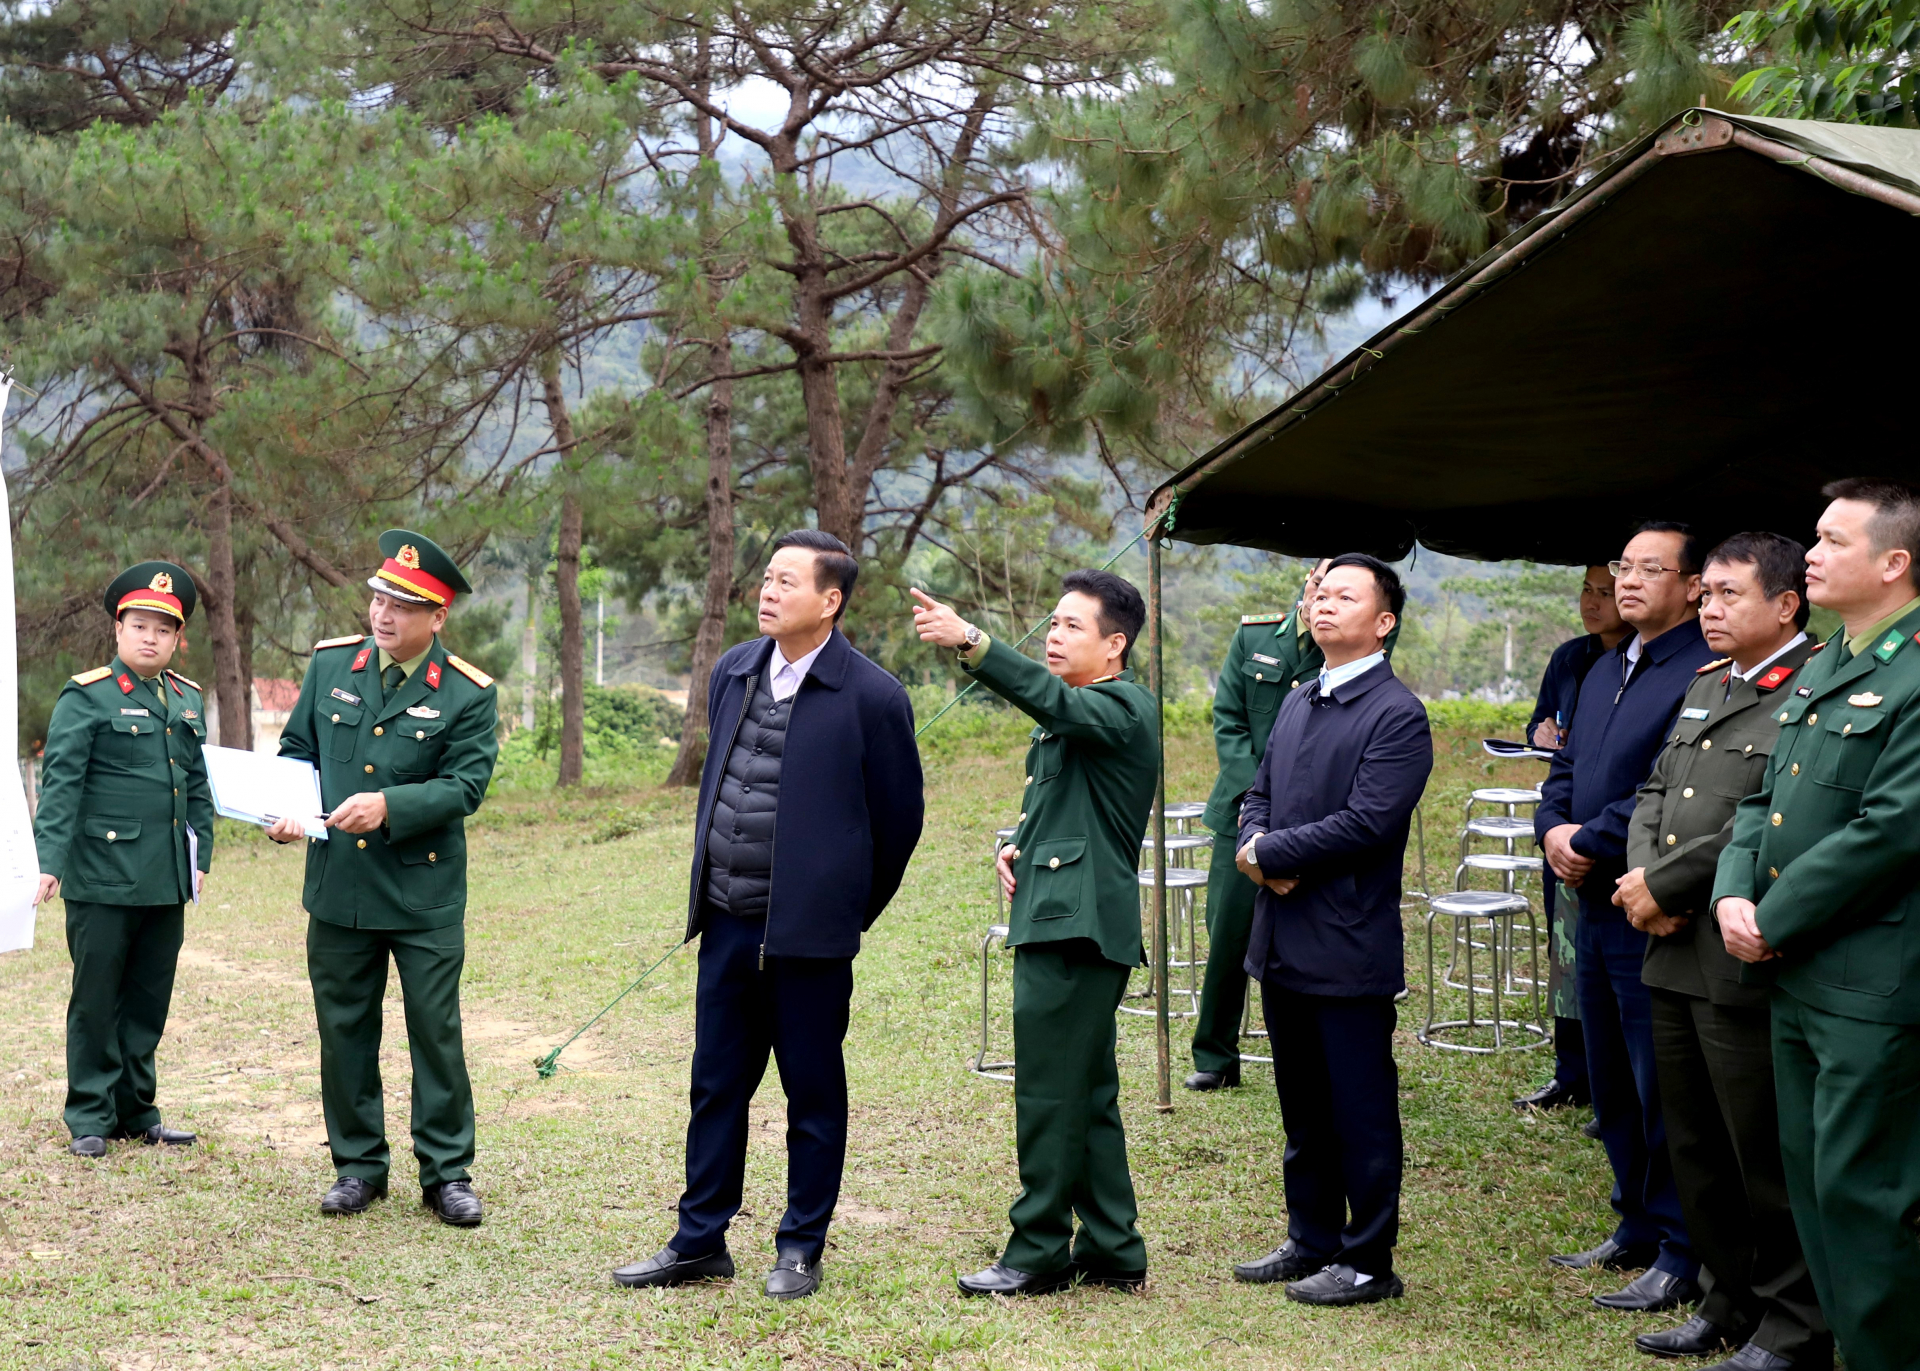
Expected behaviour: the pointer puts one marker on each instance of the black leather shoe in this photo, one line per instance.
(793, 1277)
(668, 1267)
(1610, 1255)
(1697, 1337)
(90, 1146)
(1213, 1080)
(1651, 1291)
(453, 1202)
(351, 1195)
(1004, 1280)
(1751, 1358)
(1285, 1263)
(1108, 1276)
(172, 1137)
(1552, 1095)
(1337, 1285)
(1591, 1129)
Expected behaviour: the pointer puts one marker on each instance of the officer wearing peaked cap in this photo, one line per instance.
(403, 735)
(125, 833)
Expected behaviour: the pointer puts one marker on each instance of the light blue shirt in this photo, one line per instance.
(1332, 678)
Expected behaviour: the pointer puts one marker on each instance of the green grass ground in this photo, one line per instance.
(217, 1256)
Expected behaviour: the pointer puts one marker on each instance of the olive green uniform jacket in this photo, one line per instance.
(1267, 659)
(1716, 756)
(429, 747)
(120, 781)
(1088, 795)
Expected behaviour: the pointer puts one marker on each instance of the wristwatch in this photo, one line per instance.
(971, 642)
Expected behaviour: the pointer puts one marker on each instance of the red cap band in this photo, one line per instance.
(416, 581)
(148, 598)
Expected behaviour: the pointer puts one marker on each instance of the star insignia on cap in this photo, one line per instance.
(161, 582)
(408, 556)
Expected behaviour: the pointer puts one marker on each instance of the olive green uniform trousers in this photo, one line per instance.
(1223, 993)
(123, 964)
(1066, 1096)
(348, 967)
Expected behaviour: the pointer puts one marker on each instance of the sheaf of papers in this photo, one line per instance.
(257, 789)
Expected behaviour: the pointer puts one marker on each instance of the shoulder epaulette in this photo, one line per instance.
(99, 673)
(184, 680)
(1820, 646)
(1098, 680)
(347, 641)
(1714, 665)
(1273, 618)
(470, 671)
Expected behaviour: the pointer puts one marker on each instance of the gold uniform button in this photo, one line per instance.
(361, 843)
(336, 718)
(1294, 682)
(421, 733)
(1671, 840)
(1053, 863)
(1687, 794)
(134, 729)
(1747, 748)
(1794, 770)
(111, 835)
(1776, 821)
(1705, 743)
(169, 733)
(433, 856)
(1023, 818)
(377, 730)
(176, 790)
(369, 768)
(1773, 872)
(1016, 852)
(1259, 675)
(1812, 719)
(1783, 718)
(1845, 729)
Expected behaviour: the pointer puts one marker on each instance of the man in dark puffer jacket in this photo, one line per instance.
(810, 806)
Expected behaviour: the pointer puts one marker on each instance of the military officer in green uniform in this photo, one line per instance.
(1269, 657)
(125, 832)
(1823, 874)
(1712, 1035)
(1072, 874)
(403, 734)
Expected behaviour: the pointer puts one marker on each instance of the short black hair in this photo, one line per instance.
(1896, 514)
(1778, 562)
(1121, 608)
(1690, 562)
(1385, 579)
(833, 563)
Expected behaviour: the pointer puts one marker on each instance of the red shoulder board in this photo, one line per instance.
(1714, 665)
(433, 675)
(360, 658)
(126, 683)
(1822, 644)
(1774, 679)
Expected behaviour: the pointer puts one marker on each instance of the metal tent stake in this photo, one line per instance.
(1155, 667)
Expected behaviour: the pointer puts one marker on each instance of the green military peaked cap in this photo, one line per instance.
(159, 586)
(417, 570)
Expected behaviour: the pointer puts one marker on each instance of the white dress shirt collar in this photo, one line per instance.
(1753, 671)
(787, 676)
(1332, 678)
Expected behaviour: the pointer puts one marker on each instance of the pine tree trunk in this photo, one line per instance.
(710, 638)
(230, 688)
(573, 645)
(530, 653)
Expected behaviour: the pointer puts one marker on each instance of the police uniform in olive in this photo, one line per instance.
(426, 739)
(1270, 655)
(122, 783)
(1075, 931)
(1829, 850)
(1712, 1036)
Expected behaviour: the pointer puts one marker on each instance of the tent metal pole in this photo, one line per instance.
(1156, 665)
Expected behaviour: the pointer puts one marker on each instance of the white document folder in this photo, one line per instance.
(258, 789)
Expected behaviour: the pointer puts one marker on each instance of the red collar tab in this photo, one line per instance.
(360, 658)
(126, 683)
(433, 675)
(1774, 679)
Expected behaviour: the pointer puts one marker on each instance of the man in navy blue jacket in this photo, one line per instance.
(1323, 831)
(810, 807)
(1625, 713)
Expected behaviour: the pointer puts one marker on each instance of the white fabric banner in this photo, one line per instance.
(19, 862)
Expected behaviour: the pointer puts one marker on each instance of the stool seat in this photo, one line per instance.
(1003, 835)
(1184, 878)
(997, 930)
(1506, 795)
(1501, 861)
(1479, 904)
(1185, 842)
(1186, 809)
(1508, 828)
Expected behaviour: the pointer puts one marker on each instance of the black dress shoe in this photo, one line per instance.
(668, 1267)
(1285, 1263)
(1591, 1129)
(1338, 1285)
(1751, 1358)
(351, 1195)
(90, 1145)
(1213, 1080)
(454, 1202)
(1697, 1337)
(1004, 1280)
(793, 1277)
(1651, 1291)
(172, 1137)
(1552, 1095)
(1610, 1255)
(1109, 1276)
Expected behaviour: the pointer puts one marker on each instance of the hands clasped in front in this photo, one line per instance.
(1250, 868)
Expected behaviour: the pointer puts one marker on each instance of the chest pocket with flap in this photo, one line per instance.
(340, 723)
(1058, 874)
(1849, 744)
(1043, 758)
(416, 744)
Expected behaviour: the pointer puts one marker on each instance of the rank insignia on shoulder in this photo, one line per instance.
(470, 671)
(99, 673)
(1866, 700)
(1714, 665)
(1891, 644)
(183, 680)
(1774, 679)
(1804, 691)
(1821, 646)
(348, 641)
(125, 682)
(1272, 618)
(433, 675)
(1693, 713)
(1102, 680)
(360, 659)
(1265, 660)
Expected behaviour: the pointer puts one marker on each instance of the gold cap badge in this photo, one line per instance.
(408, 556)
(161, 582)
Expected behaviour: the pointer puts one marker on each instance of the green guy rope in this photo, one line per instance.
(546, 1066)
